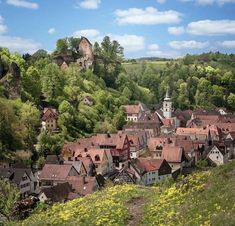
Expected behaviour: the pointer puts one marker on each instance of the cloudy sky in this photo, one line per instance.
(162, 28)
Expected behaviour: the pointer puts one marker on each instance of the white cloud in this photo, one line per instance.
(176, 30)
(161, 1)
(51, 31)
(211, 27)
(130, 43)
(188, 44)
(3, 27)
(90, 4)
(19, 44)
(209, 2)
(153, 47)
(154, 50)
(227, 44)
(89, 33)
(24, 4)
(147, 16)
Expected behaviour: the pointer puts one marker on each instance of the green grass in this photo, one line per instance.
(202, 198)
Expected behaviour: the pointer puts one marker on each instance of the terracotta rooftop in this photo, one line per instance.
(82, 185)
(147, 164)
(172, 154)
(132, 109)
(55, 172)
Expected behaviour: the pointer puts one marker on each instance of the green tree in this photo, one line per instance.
(231, 101)
(9, 195)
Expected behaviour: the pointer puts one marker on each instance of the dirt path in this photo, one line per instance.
(135, 207)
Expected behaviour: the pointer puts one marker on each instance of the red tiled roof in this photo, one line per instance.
(49, 113)
(55, 172)
(172, 154)
(82, 185)
(147, 164)
(132, 109)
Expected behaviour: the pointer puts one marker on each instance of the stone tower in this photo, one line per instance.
(167, 105)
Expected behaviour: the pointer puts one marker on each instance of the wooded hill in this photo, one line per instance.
(30, 82)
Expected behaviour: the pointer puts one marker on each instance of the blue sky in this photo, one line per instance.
(162, 28)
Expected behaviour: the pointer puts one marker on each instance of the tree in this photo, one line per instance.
(61, 45)
(52, 82)
(111, 55)
(9, 194)
(231, 101)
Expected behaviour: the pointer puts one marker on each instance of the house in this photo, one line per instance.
(54, 159)
(19, 177)
(64, 66)
(175, 157)
(200, 134)
(49, 119)
(229, 141)
(150, 128)
(88, 164)
(87, 100)
(83, 185)
(102, 162)
(149, 171)
(138, 142)
(133, 112)
(53, 174)
(77, 164)
(85, 50)
(122, 176)
(58, 193)
(218, 155)
(118, 144)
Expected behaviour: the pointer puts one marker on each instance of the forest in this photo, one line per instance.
(30, 82)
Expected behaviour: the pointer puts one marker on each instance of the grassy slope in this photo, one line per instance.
(204, 198)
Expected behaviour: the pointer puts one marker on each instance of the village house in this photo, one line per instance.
(138, 142)
(218, 155)
(77, 164)
(175, 157)
(122, 176)
(19, 177)
(149, 128)
(49, 119)
(53, 174)
(64, 66)
(229, 141)
(149, 171)
(134, 112)
(59, 193)
(83, 185)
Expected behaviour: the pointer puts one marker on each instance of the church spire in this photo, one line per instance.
(167, 96)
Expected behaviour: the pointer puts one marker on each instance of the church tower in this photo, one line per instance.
(167, 105)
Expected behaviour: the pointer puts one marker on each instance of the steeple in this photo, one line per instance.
(167, 96)
(167, 105)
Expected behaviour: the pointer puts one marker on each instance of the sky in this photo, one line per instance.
(145, 28)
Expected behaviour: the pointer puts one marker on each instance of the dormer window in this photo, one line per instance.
(97, 158)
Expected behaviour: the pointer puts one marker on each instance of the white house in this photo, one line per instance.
(218, 155)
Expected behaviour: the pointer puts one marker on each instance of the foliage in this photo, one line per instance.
(9, 195)
(202, 198)
(106, 207)
(201, 163)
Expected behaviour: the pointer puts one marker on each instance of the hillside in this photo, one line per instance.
(202, 198)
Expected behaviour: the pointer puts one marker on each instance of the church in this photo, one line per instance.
(167, 115)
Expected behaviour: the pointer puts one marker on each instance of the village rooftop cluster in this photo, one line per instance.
(153, 145)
